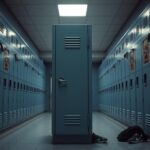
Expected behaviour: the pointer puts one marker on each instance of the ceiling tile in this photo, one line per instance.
(70, 20)
(104, 1)
(99, 20)
(104, 10)
(18, 11)
(39, 2)
(44, 20)
(42, 10)
(71, 1)
(25, 20)
(14, 2)
(130, 1)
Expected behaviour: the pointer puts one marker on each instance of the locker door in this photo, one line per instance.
(71, 80)
(1, 83)
(1, 100)
(17, 104)
(139, 98)
(117, 102)
(123, 102)
(132, 99)
(128, 101)
(146, 94)
(14, 109)
(5, 101)
(10, 97)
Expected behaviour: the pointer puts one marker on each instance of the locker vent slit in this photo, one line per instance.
(72, 42)
(72, 120)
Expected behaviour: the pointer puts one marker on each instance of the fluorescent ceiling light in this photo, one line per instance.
(72, 10)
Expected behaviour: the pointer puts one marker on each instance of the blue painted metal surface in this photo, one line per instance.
(71, 83)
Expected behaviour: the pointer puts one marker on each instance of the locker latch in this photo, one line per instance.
(62, 82)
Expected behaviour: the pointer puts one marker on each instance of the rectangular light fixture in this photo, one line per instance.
(72, 10)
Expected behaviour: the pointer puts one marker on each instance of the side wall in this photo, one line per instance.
(124, 75)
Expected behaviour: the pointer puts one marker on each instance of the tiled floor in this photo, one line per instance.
(35, 135)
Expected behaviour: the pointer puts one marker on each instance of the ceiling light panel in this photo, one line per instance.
(72, 10)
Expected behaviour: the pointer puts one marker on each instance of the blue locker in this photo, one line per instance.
(22, 72)
(16, 65)
(117, 101)
(123, 67)
(123, 118)
(17, 105)
(119, 69)
(71, 123)
(21, 101)
(14, 100)
(5, 101)
(128, 101)
(146, 90)
(126, 62)
(24, 110)
(114, 100)
(138, 56)
(125, 93)
(139, 99)
(133, 99)
(1, 99)
(109, 101)
(10, 99)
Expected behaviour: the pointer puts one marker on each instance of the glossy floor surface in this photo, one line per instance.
(35, 135)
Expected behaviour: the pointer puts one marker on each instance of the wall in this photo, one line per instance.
(124, 75)
(22, 74)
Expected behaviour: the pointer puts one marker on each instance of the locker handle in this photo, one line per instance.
(145, 80)
(62, 82)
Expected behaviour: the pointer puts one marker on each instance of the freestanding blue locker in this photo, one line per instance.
(71, 81)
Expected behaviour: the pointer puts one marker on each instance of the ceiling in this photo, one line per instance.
(106, 17)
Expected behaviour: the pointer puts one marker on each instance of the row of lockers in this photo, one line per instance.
(124, 85)
(19, 102)
(22, 78)
(14, 41)
(128, 43)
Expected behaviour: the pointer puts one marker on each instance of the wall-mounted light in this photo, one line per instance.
(133, 31)
(14, 45)
(11, 33)
(131, 46)
(22, 46)
(72, 10)
(145, 30)
(4, 32)
(146, 14)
